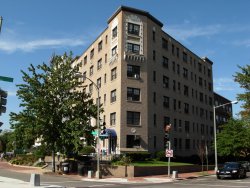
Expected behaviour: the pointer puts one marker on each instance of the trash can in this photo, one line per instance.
(80, 169)
(65, 168)
(175, 175)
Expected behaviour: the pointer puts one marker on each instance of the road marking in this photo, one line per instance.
(103, 185)
(211, 185)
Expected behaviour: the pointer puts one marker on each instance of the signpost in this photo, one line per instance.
(6, 79)
(169, 154)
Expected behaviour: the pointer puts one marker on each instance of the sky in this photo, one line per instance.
(34, 30)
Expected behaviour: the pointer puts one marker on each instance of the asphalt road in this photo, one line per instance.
(201, 182)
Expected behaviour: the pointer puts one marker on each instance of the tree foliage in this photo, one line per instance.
(243, 78)
(55, 107)
(234, 139)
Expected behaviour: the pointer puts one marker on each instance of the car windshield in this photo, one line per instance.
(231, 165)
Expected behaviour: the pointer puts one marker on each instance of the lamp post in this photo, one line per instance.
(1, 21)
(98, 173)
(215, 133)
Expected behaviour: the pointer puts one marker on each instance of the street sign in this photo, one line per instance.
(6, 79)
(169, 153)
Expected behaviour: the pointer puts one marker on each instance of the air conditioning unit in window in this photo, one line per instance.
(137, 76)
(129, 98)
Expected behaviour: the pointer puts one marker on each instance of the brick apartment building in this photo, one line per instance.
(148, 80)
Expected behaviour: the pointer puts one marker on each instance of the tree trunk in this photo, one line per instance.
(53, 161)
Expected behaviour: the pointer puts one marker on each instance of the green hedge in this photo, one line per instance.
(138, 156)
(23, 159)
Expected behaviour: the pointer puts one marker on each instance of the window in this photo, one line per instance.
(99, 64)
(209, 86)
(173, 49)
(100, 46)
(177, 52)
(165, 62)
(154, 55)
(133, 48)
(155, 142)
(84, 75)
(187, 126)
(99, 82)
(113, 73)
(133, 118)
(153, 35)
(91, 70)
(133, 141)
(185, 57)
(186, 90)
(133, 94)
(164, 44)
(92, 52)
(113, 96)
(154, 97)
(85, 60)
(112, 118)
(180, 126)
(133, 29)
(201, 97)
(185, 73)
(174, 87)
(133, 71)
(166, 102)
(106, 39)
(173, 66)
(178, 69)
(114, 51)
(200, 81)
(209, 72)
(166, 121)
(174, 104)
(154, 120)
(165, 81)
(106, 59)
(105, 78)
(104, 100)
(200, 67)
(154, 76)
(114, 32)
(186, 108)
(91, 88)
(187, 144)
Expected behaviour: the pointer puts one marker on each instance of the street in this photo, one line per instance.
(69, 181)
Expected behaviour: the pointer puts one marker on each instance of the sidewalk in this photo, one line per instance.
(13, 183)
(153, 179)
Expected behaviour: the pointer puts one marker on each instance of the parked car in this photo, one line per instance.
(231, 170)
(246, 165)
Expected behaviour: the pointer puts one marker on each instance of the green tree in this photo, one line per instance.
(243, 78)
(234, 139)
(55, 106)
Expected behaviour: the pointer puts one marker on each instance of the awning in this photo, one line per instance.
(109, 132)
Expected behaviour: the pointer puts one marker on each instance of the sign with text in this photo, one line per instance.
(169, 153)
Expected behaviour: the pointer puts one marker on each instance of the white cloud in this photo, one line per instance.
(245, 43)
(28, 46)
(186, 31)
(225, 84)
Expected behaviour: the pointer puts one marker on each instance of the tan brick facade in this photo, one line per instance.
(147, 90)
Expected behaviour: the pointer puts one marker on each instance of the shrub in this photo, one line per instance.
(138, 156)
(161, 156)
(86, 150)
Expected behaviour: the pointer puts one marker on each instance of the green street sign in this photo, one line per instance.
(6, 79)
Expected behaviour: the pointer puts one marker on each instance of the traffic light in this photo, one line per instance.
(3, 101)
(103, 128)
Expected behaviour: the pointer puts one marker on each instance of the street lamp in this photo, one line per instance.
(1, 21)
(215, 132)
(98, 173)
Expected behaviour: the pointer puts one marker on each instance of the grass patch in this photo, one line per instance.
(157, 163)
